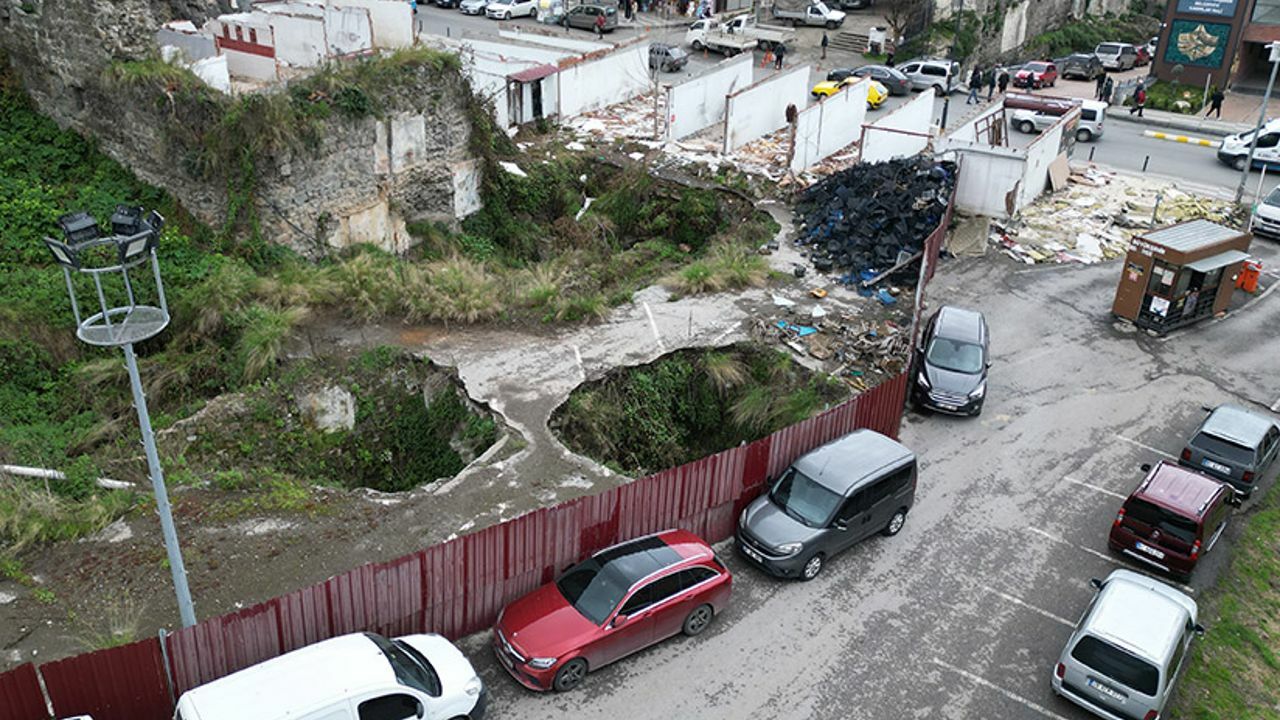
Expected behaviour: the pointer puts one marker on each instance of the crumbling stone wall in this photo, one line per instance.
(1021, 20)
(364, 181)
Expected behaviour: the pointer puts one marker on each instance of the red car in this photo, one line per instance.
(1144, 56)
(1036, 75)
(620, 600)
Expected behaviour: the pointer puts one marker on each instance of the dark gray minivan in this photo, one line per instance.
(828, 500)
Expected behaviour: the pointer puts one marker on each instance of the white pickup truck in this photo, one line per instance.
(735, 35)
(807, 12)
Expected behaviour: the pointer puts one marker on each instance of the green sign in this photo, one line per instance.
(1202, 44)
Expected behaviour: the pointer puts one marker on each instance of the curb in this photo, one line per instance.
(1181, 139)
(1185, 126)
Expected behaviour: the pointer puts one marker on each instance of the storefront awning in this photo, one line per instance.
(1214, 262)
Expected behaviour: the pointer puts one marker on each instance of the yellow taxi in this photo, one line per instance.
(876, 94)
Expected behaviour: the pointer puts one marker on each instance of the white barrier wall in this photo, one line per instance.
(563, 43)
(598, 82)
(391, 21)
(829, 126)
(1040, 154)
(759, 109)
(184, 35)
(700, 103)
(347, 30)
(300, 40)
(915, 117)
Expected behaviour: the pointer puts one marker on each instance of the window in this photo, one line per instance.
(253, 36)
(693, 576)
(1165, 521)
(1088, 115)
(1119, 665)
(803, 499)
(391, 707)
(642, 599)
(912, 68)
(955, 355)
(1267, 12)
(665, 588)
(411, 668)
(593, 590)
(853, 506)
(1176, 660)
(239, 33)
(933, 70)
(226, 32)
(1269, 140)
(1223, 448)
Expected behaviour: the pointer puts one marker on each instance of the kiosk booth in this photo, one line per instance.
(1179, 274)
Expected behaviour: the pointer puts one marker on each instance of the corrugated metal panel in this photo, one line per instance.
(20, 695)
(122, 683)
(304, 617)
(1191, 235)
(222, 645)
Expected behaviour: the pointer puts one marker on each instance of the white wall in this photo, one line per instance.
(185, 37)
(987, 175)
(700, 103)
(214, 71)
(300, 40)
(1040, 154)
(829, 126)
(913, 116)
(347, 30)
(391, 20)
(613, 78)
(759, 109)
(248, 65)
(564, 43)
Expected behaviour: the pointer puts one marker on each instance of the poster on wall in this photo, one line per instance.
(1197, 43)
(1217, 8)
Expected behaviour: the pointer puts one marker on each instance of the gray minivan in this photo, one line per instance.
(1235, 445)
(828, 500)
(1126, 652)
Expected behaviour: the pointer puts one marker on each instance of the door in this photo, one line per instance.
(670, 605)
(846, 528)
(624, 636)
(537, 99)
(390, 706)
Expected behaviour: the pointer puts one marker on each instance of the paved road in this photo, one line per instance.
(963, 613)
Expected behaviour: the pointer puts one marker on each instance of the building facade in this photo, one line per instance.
(1221, 42)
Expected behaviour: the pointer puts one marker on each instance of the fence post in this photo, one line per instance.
(168, 669)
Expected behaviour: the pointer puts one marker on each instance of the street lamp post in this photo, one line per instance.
(120, 322)
(956, 7)
(1262, 119)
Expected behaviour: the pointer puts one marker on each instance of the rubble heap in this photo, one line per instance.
(865, 220)
(854, 350)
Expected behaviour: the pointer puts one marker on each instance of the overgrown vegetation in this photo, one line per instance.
(1235, 669)
(1136, 26)
(690, 404)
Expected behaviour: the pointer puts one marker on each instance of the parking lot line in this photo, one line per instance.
(1034, 609)
(1062, 541)
(1157, 451)
(992, 686)
(1104, 491)
(1275, 406)
(1116, 560)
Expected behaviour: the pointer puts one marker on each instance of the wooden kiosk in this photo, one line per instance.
(1176, 275)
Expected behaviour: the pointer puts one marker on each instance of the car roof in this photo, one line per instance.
(1238, 425)
(639, 558)
(1179, 489)
(864, 452)
(1140, 614)
(296, 683)
(957, 323)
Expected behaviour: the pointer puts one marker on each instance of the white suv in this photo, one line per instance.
(941, 75)
(507, 9)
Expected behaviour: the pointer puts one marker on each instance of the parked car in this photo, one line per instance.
(473, 7)
(1143, 57)
(826, 501)
(1172, 519)
(350, 677)
(952, 362)
(1085, 66)
(854, 4)
(1036, 119)
(1127, 651)
(1235, 445)
(584, 17)
(1265, 221)
(1036, 75)
(507, 9)
(940, 75)
(1234, 150)
(876, 93)
(446, 4)
(1116, 56)
(619, 601)
(667, 58)
(891, 78)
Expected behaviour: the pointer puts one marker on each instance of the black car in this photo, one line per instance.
(952, 362)
(447, 3)
(894, 80)
(1085, 66)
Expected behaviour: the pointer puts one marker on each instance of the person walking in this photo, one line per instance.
(1139, 100)
(1215, 103)
(600, 26)
(888, 59)
(778, 52)
(1101, 83)
(975, 82)
(991, 83)
(824, 44)
(1108, 88)
(1003, 81)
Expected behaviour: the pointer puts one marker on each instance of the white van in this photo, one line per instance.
(362, 676)
(1234, 150)
(1117, 55)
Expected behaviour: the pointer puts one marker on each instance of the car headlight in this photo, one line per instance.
(790, 548)
(742, 519)
(922, 381)
(541, 663)
(978, 391)
(474, 686)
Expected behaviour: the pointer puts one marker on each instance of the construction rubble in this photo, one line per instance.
(858, 352)
(1095, 216)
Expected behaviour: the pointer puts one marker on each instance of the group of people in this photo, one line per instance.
(992, 78)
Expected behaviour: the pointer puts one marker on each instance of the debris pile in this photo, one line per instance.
(868, 220)
(853, 350)
(1094, 218)
(631, 120)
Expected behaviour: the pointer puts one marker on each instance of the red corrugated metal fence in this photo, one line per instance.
(20, 696)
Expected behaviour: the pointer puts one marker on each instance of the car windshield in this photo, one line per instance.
(803, 499)
(1107, 49)
(593, 590)
(1122, 666)
(955, 355)
(410, 667)
(1274, 198)
(1037, 67)
(1166, 521)
(1223, 448)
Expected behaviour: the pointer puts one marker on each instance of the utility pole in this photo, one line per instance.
(957, 6)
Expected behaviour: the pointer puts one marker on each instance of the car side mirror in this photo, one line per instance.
(1096, 583)
(1145, 467)
(618, 621)
(1206, 408)
(840, 524)
(1199, 630)
(1234, 500)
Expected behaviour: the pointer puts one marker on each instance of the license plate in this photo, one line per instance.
(1215, 466)
(944, 406)
(1143, 547)
(1105, 690)
(751, 553)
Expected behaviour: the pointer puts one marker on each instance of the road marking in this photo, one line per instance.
(654, 327)
(1104, 491)
(1134, 566)
(1061, 541)
(1035, 609)
(1157, 451)
(1182, 139)
(992, 686)
(1275, 406)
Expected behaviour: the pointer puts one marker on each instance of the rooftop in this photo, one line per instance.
(1237, 424)
(1178, 488)
(842, 463)
(1191, 236)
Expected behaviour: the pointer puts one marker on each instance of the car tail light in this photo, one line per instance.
(1060, 671)
(1152, 715)
(1247, 477)
(1119, 517)
(1186, 453)
(1195, 550)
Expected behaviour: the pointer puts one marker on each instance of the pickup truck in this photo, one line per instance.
(767, 36)
(711, 34)
(808, 12)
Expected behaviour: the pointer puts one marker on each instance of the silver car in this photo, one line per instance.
(826, 501)
(473, 7)
(1235, 445)
(1125, 655)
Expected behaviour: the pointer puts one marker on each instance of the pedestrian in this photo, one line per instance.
(1003, 81)
(991, 83)
(600, 26)
(975, 82)
(1139, 101)
(888, 59)
(413, 4)
(778, 52)
(1107, 89)
(1215, 103)
(1100, 83)
(824, 44)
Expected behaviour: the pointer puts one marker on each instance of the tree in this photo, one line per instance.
(903, 16)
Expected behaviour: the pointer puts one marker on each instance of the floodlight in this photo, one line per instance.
(78, 227)
(63, 254)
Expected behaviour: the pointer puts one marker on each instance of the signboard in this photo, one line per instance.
(1216, 8)
(1197, 43)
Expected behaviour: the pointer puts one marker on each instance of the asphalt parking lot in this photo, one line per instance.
(963, 614)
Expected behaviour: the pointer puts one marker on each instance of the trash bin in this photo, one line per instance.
(1250, 272)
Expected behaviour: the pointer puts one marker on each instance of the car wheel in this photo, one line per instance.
(698, 620)
(570, 675)
(1083, 135)
(1239, 162)
(831, 24)
(763, 44)
(939, 90)
(697, 45)
(812, 567)
(894, 526)
(1026, 126)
